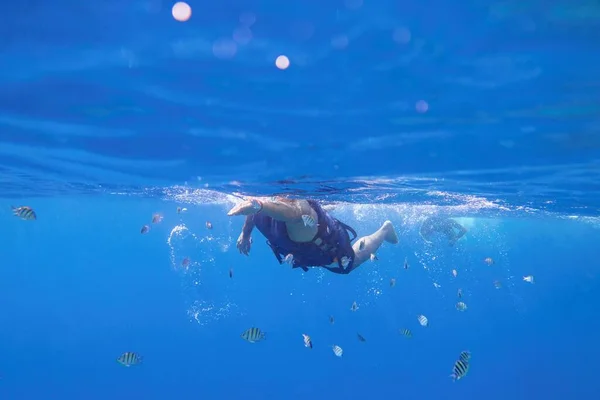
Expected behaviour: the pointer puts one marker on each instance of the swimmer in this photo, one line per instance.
(442, 225)
(313, 238)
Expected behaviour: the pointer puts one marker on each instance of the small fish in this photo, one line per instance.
(361, 338)
(337, 350)
(253, 335)
(289, 259)
(354, 307)
(406, 263)
(185, 262)
(460, 370)
(145, 229)
(129, 358)
(489, 261)
(331, 320)
(436, 285)
(459, 293)
(208, 225)
(231, 272)
(454, 273)
(181, 210)
(373, 257)
(465, 356)
(308, 221)
(25, 213)
(497, 284)
(423, 320)
(345, 261)
(406, 332)
(528, 278)
(392, 282)
(156, 218)
(361, 245)
(307, 341)
(460, 306)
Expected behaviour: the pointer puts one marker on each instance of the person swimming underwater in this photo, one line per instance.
(442, 225)
(304, 230)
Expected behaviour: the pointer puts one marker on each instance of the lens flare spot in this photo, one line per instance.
(282, 62)
(181, 11)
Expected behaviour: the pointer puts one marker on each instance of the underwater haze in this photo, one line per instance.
(128, 130)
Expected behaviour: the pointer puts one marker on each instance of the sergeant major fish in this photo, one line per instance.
(308, 221)
(129, 358)
(253, 335)
(307, 341)
(24, 212)
(460, 370)
(337, 350)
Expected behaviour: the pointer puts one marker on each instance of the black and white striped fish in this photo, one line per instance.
(307, 341)
(129, 358)
(406, 332)
(423, 320)
(460, 370)
(253, 335)
(24, 212)
(465, 356)
(308, 220)
(337, 350)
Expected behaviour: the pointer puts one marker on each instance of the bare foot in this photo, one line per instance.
(390, 235)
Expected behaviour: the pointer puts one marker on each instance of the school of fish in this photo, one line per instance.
(255, 334)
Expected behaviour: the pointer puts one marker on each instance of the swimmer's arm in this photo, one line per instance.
(285, 210)
(248, 226)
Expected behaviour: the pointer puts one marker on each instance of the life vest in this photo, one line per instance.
(331, 243)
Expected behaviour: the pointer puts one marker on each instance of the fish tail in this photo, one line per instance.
(453, 376)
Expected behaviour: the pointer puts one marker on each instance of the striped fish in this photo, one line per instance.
(308, 220)
(423, 320)
(460, 306)
(465, 356)
(361, 338)
(24, 212)
(406, 332)
(459, 293)
(337, 350)
(129, 358)
(460, 370)
(253, 335)
(307, 341)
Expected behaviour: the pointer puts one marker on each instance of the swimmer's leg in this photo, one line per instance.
(372, 243)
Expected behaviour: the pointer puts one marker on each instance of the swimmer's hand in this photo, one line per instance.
(247, 207)
(244, 243)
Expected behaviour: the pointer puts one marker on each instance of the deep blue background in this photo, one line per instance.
(80, 286)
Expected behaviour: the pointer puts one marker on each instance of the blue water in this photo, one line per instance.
(111, 112)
